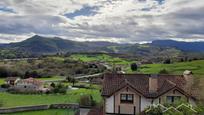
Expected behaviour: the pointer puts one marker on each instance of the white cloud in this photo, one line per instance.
(113, 20)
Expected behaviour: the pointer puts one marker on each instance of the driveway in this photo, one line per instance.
(84, 111)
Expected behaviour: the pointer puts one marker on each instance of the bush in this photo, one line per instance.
(60, 89)
(134, 67)
(3, 72)
(163, 71)
(87, 100)
(167, 61)
(154, 111)
(5, 86)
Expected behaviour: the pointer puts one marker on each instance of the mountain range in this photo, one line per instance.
(50, 45)
(184, 46)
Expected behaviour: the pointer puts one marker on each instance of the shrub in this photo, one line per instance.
(5, 86)
(87, 100)
(163, 71)
(3, 72)
(134, 67)
(60, 89)
(154, 111)
(52, 85)
(167, 61)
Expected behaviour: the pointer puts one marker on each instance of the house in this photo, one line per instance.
(11, 81)
(29, 85)
(133, 93)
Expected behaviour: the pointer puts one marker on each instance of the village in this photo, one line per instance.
(101, 57)
(121, 93)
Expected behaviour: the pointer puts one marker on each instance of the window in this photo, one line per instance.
(172, 99)
(126, 98)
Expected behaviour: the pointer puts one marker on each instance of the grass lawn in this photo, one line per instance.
(47, 112)
(2, 81)
(197, 67)
(72, 96)
(52, 78)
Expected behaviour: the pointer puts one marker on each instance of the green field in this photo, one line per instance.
(100, 57)
(197, 67)
(2, 81)
(113, 61)
(52, 78)
(72, 96)
(47, 112)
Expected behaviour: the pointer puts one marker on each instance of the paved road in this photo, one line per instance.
(88, 76)
(84, 111)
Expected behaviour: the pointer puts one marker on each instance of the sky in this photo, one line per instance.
(122, 21)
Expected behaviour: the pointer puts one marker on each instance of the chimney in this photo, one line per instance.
(153, 83)
(188, 75)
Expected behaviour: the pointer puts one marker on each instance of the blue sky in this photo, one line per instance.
(102, 20)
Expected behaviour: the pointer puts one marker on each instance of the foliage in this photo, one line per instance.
(71, 80)
(87, 100)
(163, 71)
(5, 86)
(59, 88)
(53, 85)
(183, 110)
(153, 111)
(3, 72)
(167, 61)
(134, 67)
(46, 67)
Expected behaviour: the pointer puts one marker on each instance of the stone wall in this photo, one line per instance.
(25, 108)
(40, 107)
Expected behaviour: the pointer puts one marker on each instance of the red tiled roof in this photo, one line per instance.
(140, 82)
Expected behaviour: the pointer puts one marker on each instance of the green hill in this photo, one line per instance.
(197, 67)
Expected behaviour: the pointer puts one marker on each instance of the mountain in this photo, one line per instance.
(38, 45)
(184, 46)
(49, 45)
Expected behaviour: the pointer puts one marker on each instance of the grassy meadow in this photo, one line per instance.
(197, 67)
(112, 61)
(72, 96)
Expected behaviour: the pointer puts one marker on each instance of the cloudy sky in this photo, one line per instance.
(102, 20)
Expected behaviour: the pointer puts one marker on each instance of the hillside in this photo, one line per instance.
(50, 45)
(184, 46)
(39, 45)
(197, 67)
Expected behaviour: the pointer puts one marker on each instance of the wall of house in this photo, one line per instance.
(112, 104)
(27, 87)
(109, 104)
(172, 93)
(127, 108)
(145, 103)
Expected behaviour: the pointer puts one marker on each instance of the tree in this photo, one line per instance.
(52, 84)
(72, 80)
(163, 71)
(3, 72)
(134, 67)
(167, 61)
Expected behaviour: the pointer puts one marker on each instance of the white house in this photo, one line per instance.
(132, 93)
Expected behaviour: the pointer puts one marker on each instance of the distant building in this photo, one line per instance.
(29, 85)
(12, 80)
(133, 93)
